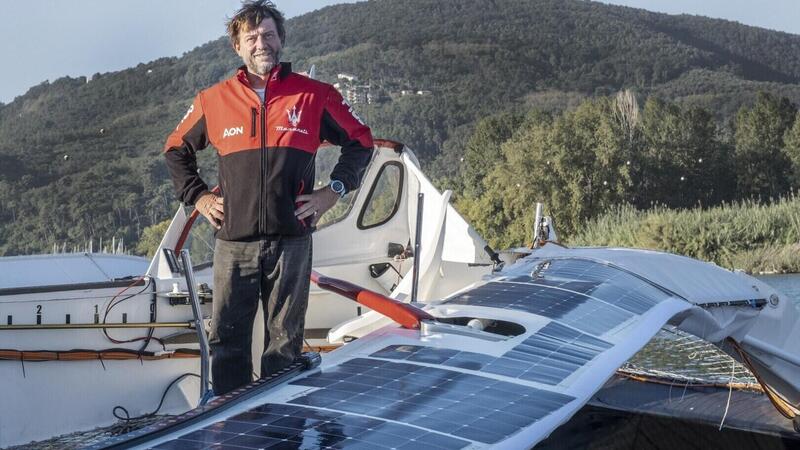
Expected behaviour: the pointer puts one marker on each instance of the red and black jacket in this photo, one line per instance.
(266, 150)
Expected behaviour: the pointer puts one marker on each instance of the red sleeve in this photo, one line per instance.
(342, 126)
(188, 137)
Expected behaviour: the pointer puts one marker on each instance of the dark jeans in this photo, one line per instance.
(275, 270)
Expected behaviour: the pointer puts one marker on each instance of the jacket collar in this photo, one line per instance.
(280, 71)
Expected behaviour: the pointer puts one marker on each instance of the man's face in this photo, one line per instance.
(260, 48)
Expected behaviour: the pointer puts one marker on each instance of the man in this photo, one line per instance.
(266, 124)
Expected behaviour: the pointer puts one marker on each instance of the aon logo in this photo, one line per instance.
(232, 132)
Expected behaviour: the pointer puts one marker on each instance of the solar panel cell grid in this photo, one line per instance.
(548, 356)
(278, 426)
(610, 284)
(580, 311)
(464, 405)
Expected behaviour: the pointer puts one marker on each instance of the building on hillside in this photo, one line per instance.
(360, 94)
(347, 77)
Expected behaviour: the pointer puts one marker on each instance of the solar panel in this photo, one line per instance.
(601, 281)
(574, 291)
(279, 426)
(464, 405)
(580, 311)
(577, 269)
(396, 398)
(548, 356)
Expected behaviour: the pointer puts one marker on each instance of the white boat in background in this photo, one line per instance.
(88, 338)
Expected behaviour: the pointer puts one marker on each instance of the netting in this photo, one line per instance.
(677, 356)
(87, 438)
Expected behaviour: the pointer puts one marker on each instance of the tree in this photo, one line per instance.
(762, 167)
(151, 237)
(682, 162)
(792, 150)
(483, 152)
(576, 164)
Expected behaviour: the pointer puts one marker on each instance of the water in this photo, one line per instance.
(788, 284)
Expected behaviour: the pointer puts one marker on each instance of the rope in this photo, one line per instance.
(730, 393)
(784, 407)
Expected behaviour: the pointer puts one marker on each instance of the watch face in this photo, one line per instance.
(337, 186)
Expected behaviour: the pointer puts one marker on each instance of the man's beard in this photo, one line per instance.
(263, 67)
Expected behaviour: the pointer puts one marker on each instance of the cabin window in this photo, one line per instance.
(325, 160)
(384, 197)
(200, 243)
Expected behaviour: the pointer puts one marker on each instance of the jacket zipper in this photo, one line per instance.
(264, 168)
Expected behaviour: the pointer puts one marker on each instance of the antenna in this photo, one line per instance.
(417, 246)
(537, 227)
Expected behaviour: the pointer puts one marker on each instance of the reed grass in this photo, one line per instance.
(748, 235)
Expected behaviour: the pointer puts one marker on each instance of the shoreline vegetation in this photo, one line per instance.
(719, 191)
(758, 238)
(634, 108)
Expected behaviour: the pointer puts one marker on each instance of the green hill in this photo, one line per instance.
(81, 159)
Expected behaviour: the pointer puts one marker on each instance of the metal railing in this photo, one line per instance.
(198, 321)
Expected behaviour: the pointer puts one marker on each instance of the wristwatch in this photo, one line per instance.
(338, 187)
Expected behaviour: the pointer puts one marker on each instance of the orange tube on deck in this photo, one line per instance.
(406, 315)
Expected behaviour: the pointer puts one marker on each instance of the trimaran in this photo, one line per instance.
(451, 349)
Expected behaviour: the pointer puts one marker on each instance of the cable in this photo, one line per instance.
(730, 393)
(153, 318)
(112, 304)
(128, 417)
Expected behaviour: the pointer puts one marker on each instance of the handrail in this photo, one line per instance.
(198, 321)
(189, 223)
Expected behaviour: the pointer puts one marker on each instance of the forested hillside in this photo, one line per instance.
(79, 158)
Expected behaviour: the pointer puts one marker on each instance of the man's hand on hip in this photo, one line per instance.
(211, 207)
(316, 204)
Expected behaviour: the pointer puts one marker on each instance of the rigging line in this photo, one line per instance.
(670, 394)
(784, 407)
(98, 297)
(685, 386)
(89, 255)
(730, 393)
(199, 238)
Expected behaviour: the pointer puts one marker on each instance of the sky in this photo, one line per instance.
(48, 39)
(781, 15)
